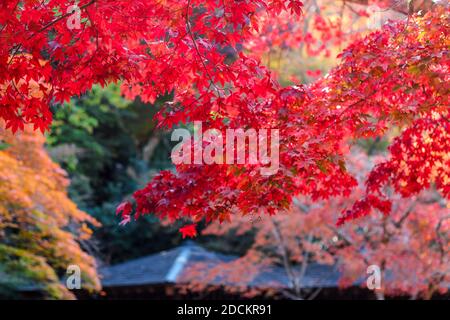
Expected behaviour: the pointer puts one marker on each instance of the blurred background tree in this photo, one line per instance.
(110, 146)
(42, 231)
(410, 246)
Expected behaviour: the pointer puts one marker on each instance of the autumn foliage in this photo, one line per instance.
(394, 77)
(41, 229)
(206, 53)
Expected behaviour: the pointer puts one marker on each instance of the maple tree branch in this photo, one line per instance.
(439, 236)
(191, 35)
(284, 254)
(347, 241)
(406, 7)
(48, 25)
(398, 224)
(347, 5)
(305, 259)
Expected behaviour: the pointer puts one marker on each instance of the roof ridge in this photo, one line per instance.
(178, 264)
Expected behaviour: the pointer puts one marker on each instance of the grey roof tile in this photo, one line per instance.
(167, 266)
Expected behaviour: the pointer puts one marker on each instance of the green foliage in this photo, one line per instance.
(100, 139)
(20, 268)
(373, 145)
(3, 145)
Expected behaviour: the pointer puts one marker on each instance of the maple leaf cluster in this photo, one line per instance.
(152, 46)
(396, 76)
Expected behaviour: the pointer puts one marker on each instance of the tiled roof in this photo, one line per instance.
(168, 266)
(316, 276)
(147, 270)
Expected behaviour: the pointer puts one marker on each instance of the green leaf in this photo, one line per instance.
(4, 145)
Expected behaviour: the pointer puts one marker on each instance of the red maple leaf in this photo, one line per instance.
(189, 231)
